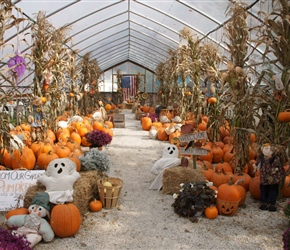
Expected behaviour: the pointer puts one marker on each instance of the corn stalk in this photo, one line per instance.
(274, 34)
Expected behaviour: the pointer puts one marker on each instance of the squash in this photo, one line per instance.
(96, 205)
(65, 220)
(284, 116)
(211, 212)
(23, 158)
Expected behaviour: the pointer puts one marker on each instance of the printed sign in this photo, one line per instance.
(194, 151)
(14, 184)
(194, 136)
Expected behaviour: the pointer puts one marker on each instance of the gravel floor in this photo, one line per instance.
(146, 220)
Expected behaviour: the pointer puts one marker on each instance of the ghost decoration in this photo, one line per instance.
(59, 179)
(169, 159)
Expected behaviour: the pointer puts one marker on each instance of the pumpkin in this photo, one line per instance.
(211, 212)
(23, 158)
(162, 135)
(16, 211)
(284, 116)
(146, 123)
(246, 179)
(96, 205)
(97, 125)
(254, 188)
(285, 190)
(85, 142)
(108, 106)
(45, 158)
(7, 160)
(219, 178)
(212, 100)
(201, 126)
(63, 151)
(223, 165)
(76, 160)
(65, 220)
(72, 145)
(74, 136)
(228, 198)
(218, 154)
(242, 190)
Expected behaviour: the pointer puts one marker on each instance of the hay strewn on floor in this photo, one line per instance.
(85, 189)
(172, 177)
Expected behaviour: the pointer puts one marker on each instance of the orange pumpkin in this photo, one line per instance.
(62, 151)
(16, 211)
(146, 123)
(77, 161)
(45, 158)
(23, 158)
(211, 212)
(97, 125)
(65, 220)
(108, 106)
(284, 116)
(212, 100)
(254, 188)
(96, 205)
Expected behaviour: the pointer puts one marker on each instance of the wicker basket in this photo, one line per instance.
(109, 195)
(228, 208)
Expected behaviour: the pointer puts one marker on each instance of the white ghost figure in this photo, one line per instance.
(59, 179)
(169, 159)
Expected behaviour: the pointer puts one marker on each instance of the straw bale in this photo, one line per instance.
(85, 189)
(174, 176)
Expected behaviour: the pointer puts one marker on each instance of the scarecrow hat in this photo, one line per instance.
(41, 199)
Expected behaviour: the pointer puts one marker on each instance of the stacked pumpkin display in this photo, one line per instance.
(66, 142)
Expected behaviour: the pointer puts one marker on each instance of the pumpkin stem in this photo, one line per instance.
(238, 181)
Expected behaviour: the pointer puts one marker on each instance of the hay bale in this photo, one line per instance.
(85, 189)
(174, 176)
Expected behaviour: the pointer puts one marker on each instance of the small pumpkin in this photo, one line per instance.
(96, 205)
(211, 212)
(16, 211)
(284, 116)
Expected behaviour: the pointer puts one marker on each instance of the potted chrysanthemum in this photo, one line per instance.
(98, 138)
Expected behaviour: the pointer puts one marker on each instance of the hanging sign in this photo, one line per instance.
(13, 186)
(192, 137)
(194, 151)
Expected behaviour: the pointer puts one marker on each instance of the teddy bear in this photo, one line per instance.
(169, 159)
(59, 179)
(33, 225)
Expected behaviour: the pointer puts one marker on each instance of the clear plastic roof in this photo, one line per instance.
(130, 30)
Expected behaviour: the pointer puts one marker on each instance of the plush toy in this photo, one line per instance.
(169, 159)
(34, 225)
(59, 179)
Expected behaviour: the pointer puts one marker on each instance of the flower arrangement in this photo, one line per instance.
(98, 138)
(95, 159)
(193, 199)
(10, 240)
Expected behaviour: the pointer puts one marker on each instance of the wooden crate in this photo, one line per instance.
(119, 120)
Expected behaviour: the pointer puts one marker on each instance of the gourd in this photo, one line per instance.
(96, 205)
(23, 158)
(211, 212)
(284, 116)
(45, 158)
(65, 220)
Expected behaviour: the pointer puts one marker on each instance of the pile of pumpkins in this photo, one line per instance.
(64, 143)
(217, 164)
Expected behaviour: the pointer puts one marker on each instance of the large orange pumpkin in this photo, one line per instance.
(23, 158)
(146, 123)
(45, 158)
(65, 220)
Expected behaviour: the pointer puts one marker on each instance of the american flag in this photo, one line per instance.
(129, 86)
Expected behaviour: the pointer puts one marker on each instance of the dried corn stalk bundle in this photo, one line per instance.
(238, 94)
(90, 72)
(274, 96)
